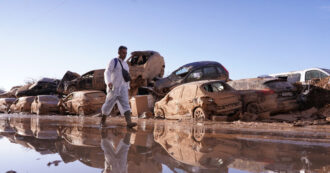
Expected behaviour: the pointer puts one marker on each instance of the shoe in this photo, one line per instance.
(103, 121)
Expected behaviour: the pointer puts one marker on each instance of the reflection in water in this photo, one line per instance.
(163, 146)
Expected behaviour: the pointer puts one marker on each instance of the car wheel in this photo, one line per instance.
(159, 131)
(159, 113)
(198, 133)
(252, 108)
(199, 114)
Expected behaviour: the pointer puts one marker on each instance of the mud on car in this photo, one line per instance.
(266, 95)
(196, 71)
(45, 104)
(200, 100)
(83, 102)
(22, 104)
(5, 104)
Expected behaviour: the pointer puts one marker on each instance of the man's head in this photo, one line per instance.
(122, 52)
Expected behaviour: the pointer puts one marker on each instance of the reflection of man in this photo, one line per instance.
(115, 156)
(117, 87)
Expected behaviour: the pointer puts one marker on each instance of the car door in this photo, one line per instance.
(210, 72)
(186, 103)
(172, 102)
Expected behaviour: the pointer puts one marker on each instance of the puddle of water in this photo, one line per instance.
(77, 144)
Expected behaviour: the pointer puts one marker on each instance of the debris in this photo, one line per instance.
(5, 104)
(146, 115)
(11, 93)
(139, 104)
(68, 76)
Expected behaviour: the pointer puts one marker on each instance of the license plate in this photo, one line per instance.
(287, 94)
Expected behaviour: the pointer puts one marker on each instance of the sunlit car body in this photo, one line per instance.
(196, 71)
(199, 100)
(45, 104)
(42, 86)
(83, 102)
(144, 68)
(22, 104)
(92, 80)
(5, 104)
(266, 95)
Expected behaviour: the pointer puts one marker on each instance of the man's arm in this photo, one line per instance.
(107, 74)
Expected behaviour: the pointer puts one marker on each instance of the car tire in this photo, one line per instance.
(200, 114)
(198, 133)
(159, 113)
(252, 108)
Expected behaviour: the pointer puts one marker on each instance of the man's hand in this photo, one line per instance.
(110, 86)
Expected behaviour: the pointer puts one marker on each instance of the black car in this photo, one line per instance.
(202, 70)
(44, 86)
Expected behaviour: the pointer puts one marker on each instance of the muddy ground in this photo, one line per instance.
(161, 145)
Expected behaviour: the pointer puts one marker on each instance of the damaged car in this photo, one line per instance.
(145, 67)
(45, 104)
(196, 71)
(201, 100)
(22, 104)
(11, 93)
(41, 87)
(266, 95)
(5, 104)
(83, 102)
(92, 80)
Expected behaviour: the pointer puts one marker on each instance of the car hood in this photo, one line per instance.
(163, 83)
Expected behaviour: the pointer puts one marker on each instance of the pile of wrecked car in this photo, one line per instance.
(198, 90)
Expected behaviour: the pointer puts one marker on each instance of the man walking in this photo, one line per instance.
(117, 87)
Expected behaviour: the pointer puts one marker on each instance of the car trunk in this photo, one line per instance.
(226, 100)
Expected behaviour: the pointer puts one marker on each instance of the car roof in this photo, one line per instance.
(301, 71)
(201, 63)
(93, 71)
(148, 52)
(47, 80)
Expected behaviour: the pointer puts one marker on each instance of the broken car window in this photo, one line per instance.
(210, 72)
(182, 72)
(214, 87)
(294, 77)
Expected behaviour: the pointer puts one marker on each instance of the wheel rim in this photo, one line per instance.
(199, 114)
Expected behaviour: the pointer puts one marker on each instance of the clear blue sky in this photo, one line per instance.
(45, 38)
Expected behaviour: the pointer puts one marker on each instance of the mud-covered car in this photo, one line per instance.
(45, 104)
(145, 67)
(83, 102)
(92, 80)
(68, 76)
(196, 71)
(200, 100)
(43, 86)
(11, 93)
(22, 104)
(5, 104)
(266, 95)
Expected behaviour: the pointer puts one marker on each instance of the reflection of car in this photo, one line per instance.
(45, 104)
(43, 86)
(83, 102)
(5, 104)
(304, 75)
(92, 80)
(11, 93)
(22, 104)
(266, 94)
(199, 100)
(203, 70)
(144, 68)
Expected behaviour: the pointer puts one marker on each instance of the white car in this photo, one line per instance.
(304, 76)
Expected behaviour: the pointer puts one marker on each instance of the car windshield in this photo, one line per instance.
(183, 71)
(214, 87)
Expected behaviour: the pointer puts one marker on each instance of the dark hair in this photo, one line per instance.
(122, 47)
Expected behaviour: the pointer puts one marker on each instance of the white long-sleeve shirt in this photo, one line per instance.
(114, 75)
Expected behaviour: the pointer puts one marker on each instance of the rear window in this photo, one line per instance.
(279, 85)
(215, 87)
